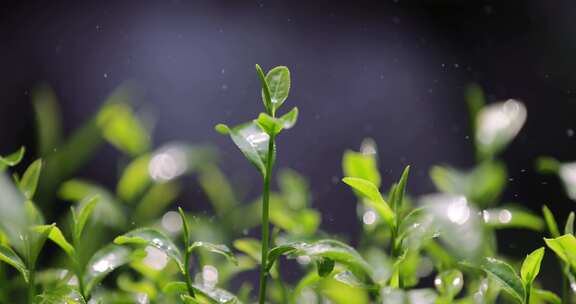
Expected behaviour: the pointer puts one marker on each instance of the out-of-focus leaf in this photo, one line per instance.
(29, 181)
(338, 292)
(512, 217)
(217, 187)
(266, 98)
(13, 159)
(57, 237)
(135, 178)
(546, 295)
(252, 142)
(48, 119)
(142, 287)
(83, 214)
(33, 214)
(294, 189)
(497, 124)
(505, 276)
(107, 211)
(63, 294)
(567, 175)
(531, 266)
(449, 283)
(10, 257)
(278, 84)
(550, 222)
(547, 165)
(13, 220)
(373, 197)
(414, 296)
(251, 247)
(569, 227)
(457, 222)
(155, 200)
(362, 164)
(272, 126)
(121, 127)
(103, 262)
(475, 100)
(154, 238)
(401, 189)
(483, 185)
(204, 294)
(215, 248)
(298, 222)
(565, 247)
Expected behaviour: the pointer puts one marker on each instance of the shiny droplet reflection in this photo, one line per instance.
(369, 217)
(155, 258)
(167, 164)
(449, 282)
(172, 222)
(458, 211)
(209, 275)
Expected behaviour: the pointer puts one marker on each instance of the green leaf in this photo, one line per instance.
(569, 228)
(188, 299)
(531, 266)
(103, 262)
(547, 165)
(504, 275)
(401, 188)
(57, 237)
(374, 198)
(135, 178)
(84, 214)
(475, 100)
(550, 222)
(108, 210)
(217, 188)
(362, 164)
(289, 119)
(266, 98)
(186, 226)
(497, 124)
(14, 158)
(29, 181)
(278, 81)
(295, 189)
(155, 201)
(272, 126)
(63, 294)
(252, 142)
(276, 252)
(251, 247)
(13, 219)
(37, 240)
(325, 266)
(121, 127)
(154, 238)
(214, 248)
(547, 296)
(565, 247)
(10, 257)
(204, 294)
(48, 119)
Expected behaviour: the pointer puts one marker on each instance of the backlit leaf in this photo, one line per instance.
(505, 276)
(103, 262)
(10, 257)
(531, 266)
(252, 142)
(29, 180)
(374, 198)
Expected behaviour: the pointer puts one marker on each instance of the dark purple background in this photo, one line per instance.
(391, 70)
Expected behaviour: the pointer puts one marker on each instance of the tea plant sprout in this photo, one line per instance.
(256, 140)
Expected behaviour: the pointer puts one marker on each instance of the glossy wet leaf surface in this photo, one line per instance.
(214, 248)
(155, 238)
(61, 295)
(278, 80)
(505, 276)
(103, 262)
(252, 142)
(373, 196)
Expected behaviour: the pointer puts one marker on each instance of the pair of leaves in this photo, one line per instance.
(506, 277)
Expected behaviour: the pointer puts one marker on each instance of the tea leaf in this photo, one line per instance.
(505, 276)
(29, 181)
(57, 237)
(103, 262)
(362, 164)
(512, 217)
(266, 98)
(547, 165)
(401, 189)
(569, 228)
(13, 221)
(550, 222)
(11, 258)
(252, 142)
(547, 296)
(565, 247)
(294, 187)
(188, 299)
(374, 198)
(121, 127)
(14, 158)
(48, 119)
(61, 294)
(289, 119)
(251, 247)
(84, 214)
(278, 81)
(272, 126)
(154, 238)
(531, 266)
(204, 294)
(215, 248)
(135, 178)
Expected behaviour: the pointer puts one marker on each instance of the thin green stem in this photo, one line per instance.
(78, 269)
(187, 273)
(265, 222)
(31, 283)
